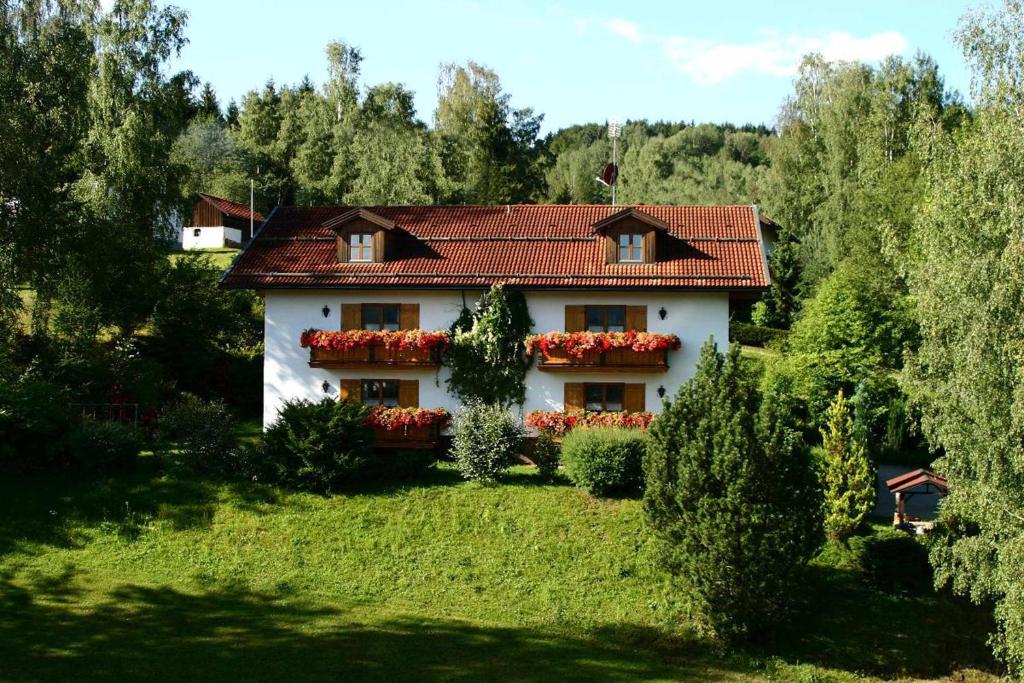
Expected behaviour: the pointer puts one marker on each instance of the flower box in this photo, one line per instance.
(407, 427)
(623, 351)
(408, 437)
(558, 424)
(360, 348)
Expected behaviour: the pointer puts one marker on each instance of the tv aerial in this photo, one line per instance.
(611, 171)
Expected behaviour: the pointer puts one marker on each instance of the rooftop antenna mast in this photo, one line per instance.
(611, 171)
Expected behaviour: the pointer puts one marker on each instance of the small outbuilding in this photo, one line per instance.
(217, 222)
(905, 486)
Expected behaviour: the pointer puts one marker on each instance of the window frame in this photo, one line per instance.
(604, 308)
(380, 307)
(625, 251)
(360, 242)
(604, 386)
(379, 399)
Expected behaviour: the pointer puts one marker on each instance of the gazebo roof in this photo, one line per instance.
(927, 479)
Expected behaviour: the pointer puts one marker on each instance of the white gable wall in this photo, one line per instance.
(692, 316)
(215, 237)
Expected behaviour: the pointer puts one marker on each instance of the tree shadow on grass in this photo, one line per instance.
(146, 633)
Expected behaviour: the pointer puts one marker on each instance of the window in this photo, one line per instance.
(198, 232)
(606, 318)
(360, 246)
(380, 392)
(603, 397)
(380, 316)
(631, 247)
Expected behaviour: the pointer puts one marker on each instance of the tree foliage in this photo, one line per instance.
(848, 480)
(731, 494)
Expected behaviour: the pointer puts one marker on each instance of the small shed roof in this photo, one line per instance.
(925, 481)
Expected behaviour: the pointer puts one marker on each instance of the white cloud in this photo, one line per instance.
(773, 54)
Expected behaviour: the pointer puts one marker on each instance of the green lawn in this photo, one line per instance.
(221, 258)
(164, 578)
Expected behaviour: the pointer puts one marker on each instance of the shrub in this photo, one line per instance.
(318, 446)
(35, 424)
(848, 479)
(203, 432)
(101, 447)
(605, 460)
(894, 562)
(400, 463)
(486, 441)
(756, 335)
(545, 455)
(731, 495)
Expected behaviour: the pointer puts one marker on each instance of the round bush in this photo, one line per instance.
(545, 455)
(319, 445)
(203, 432)
(486, 441)
(895, 562)
(605, 460)
(103, 447)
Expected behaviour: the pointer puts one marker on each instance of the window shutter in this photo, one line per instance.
(633, 398)
(351, 316)
(575, 318)
(342, 243)
(636, 318)
(574, 398)
(351, 390)
(650, 241)
(409, 393)
(378, 246)
(409, 316)
(611, 249)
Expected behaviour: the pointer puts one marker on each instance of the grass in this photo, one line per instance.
(220, 257)
(150, 576)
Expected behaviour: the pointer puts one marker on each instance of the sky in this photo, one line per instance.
(575, 62)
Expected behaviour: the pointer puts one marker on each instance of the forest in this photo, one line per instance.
(898, 274)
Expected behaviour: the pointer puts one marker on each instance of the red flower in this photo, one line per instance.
(346, 340)
(577, 344)
(560, 423)
(393, 419)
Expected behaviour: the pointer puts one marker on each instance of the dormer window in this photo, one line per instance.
(631, 247)
(360, 247)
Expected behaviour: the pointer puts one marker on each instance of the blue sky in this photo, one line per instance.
(572, 61)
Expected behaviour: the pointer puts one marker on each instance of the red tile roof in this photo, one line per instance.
(545, 246)
(231, 208)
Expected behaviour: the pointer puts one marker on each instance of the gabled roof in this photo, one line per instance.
(540, 246)
(230, 208)
(630, 212)
(920, 477)
(358, 214)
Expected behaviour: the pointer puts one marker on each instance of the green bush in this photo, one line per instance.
(756, 335)
(545, 455)
(318, 446)
(400, 463)
(102, 447)
(35, 424)
(894, 562)
(487, 439)
(605, 460)
(203, 431)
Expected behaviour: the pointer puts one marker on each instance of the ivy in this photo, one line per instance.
(486, 354)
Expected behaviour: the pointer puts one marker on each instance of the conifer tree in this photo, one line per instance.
(731, 495)
(848, 479)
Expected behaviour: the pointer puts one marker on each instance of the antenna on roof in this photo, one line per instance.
(611, 171)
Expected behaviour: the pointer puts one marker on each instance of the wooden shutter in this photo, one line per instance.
(650, 242)
(633, 398)
(409, 393)
(351, 390)
(341, 241)
(636, 318)
(351, 316)
(378, 246)
(575, 318)
(409, 316)
(574, 397)
(611, 249)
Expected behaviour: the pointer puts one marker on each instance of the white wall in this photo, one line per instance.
(287, 375)
(210, 238)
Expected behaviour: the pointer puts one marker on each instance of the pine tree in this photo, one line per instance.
(731, 495)
(848, 478)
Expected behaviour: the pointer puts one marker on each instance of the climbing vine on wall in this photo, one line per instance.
(486, 354)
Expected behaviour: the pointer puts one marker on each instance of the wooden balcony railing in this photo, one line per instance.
(615, 360)
(428, 436)
(373, 356)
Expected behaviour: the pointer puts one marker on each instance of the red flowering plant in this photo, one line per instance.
(393, 419)
(559, 423)
(577, 344)
(346, 340)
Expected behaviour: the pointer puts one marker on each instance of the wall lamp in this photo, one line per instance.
(326, 386)
(661, 391)
(326, 310)
(662, 313)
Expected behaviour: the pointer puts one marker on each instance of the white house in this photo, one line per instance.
(674, 270)
(217, 222)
